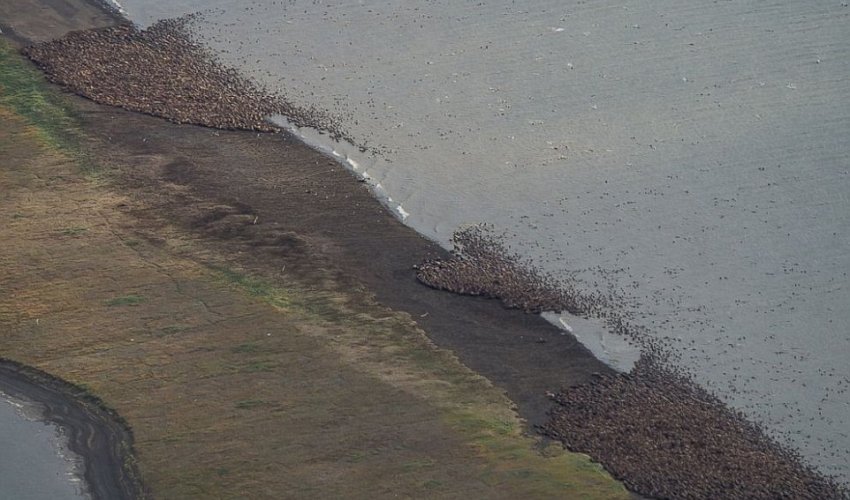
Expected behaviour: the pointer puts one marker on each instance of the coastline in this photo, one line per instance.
(367, 260)
(99, 437)
(590, 193)
(109, 469)
(41, 462)
(174, 197)
(541, 349)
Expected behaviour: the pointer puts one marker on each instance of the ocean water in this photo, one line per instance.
(691, 158)
(34, 463)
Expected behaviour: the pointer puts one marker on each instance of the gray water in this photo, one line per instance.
(690, 157)
(34, 461)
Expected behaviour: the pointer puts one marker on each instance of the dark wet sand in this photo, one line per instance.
(97, 435)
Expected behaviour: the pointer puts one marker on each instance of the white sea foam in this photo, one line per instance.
(117, 6)
(402, 212)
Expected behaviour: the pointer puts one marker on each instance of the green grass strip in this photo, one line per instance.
(23, 89)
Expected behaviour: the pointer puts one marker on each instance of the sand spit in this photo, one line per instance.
(161, 72)
(653, 428)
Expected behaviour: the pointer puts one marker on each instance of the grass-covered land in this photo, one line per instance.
(236, 386)
(25, 94)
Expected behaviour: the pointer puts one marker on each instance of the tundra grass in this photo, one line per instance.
(178, 338)
(397, 352)
(24, 90)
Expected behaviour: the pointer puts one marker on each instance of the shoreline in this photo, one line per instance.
(108, 464)
(24, 416)
(541, 366)
(388, 271)
(357, 228)
(455, 160)
(97, 436)
(446, 328)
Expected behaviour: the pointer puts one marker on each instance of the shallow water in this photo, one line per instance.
(690, 158)
(34, 463)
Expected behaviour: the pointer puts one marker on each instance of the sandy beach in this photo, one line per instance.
(255, 206)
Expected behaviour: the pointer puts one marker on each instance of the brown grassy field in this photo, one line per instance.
(236, 385)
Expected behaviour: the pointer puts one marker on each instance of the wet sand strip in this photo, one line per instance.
(95, 433)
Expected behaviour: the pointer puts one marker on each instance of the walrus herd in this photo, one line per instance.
(652, 428)
(481, 266)
(160, 71)
(664, 437)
